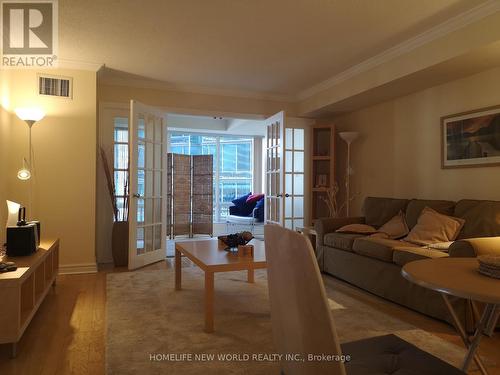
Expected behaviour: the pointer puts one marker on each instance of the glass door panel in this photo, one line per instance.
(147, 235)
(294, 178)
(275, 172)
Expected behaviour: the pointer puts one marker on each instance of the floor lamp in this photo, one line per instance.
(348, 137)
(29, 116)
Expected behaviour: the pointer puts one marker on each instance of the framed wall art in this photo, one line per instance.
(471, 139)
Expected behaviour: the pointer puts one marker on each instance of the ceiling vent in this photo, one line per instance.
(55, 86)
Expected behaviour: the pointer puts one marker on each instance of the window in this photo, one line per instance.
(233, 164)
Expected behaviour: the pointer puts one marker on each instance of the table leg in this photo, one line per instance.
(13, 350)
(475, 312)
(492, 324)
(465, 337)
(250, 277)
(209, 302)
(178, 270)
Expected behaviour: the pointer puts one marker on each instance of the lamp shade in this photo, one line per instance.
(13, 209)
(348, 136)
(30, 114)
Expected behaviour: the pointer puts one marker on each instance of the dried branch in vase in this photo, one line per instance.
(331, 200)
(110, 182)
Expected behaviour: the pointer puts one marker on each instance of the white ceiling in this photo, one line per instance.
(217, 125)
(267, 46)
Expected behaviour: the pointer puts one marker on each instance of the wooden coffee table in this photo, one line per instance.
(211, 257)
(460, 277)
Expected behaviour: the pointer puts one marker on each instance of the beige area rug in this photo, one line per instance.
(152, 329)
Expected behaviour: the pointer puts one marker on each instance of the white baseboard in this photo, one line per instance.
(68, 269)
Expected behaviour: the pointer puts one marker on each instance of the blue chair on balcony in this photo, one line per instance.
(247, 211)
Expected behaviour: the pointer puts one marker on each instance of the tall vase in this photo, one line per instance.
(119, 243)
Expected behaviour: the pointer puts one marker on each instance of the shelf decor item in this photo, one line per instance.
(321, 180)
(348, 138)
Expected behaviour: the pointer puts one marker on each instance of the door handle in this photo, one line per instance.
(279, 195)
(287, 195)
(137, 195)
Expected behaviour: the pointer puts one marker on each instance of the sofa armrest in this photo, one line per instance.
(331, 224)
(473, 247)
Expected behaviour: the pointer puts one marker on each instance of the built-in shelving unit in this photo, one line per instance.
(322, 167)
(22, 291)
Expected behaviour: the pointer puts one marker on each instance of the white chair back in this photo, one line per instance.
(300, 315)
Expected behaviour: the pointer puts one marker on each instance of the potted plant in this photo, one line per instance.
(119, 237)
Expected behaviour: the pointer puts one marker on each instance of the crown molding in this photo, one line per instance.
(193, 89)
(79, 65)
(453, 24)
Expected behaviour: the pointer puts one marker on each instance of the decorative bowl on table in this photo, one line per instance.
(232, 241)
(489, 265)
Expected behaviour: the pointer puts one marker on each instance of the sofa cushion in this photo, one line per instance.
(481, 218)
(342, 241)
(378, 211)
(396, 227)
(433, 227)
(403, 255)
(378, 248)
(357, 229)
(415, 207)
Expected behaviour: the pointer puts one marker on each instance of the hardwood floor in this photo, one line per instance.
(67, 335)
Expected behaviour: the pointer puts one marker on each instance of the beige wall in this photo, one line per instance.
(200, 103)
(398, 153)
(64, 144)
(5, 119)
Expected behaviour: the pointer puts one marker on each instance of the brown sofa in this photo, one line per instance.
(374, 264)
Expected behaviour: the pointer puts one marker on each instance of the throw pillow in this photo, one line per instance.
(244, 208)
(443, 246)
(357, 229)
(433, 227)
(254, 198)
(396, 227)
(259, 210)
(240, 201)
(260, 202)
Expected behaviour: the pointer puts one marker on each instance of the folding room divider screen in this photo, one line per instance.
(189, 195)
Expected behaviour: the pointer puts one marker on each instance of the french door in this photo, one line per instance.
(274, 169)
(147, 156)
(284, 173)
(294, 178)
